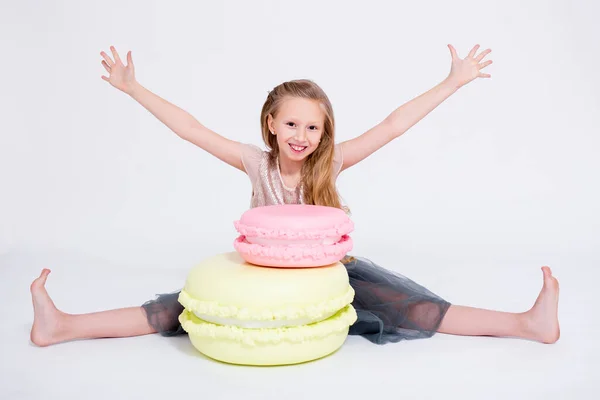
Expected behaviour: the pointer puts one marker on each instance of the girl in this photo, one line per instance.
(301, 166)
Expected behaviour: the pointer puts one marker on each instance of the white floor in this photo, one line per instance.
(155, 367)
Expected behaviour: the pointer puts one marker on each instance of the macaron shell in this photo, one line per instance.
(277, 346)
(226, 286)
(283, 353)
(293, 256)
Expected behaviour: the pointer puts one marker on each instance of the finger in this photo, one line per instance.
(109, 61)
(129, 59)
(485, 64)
(473, 51)
(106, 67)
(483, 54)
(485, 75)
(452, 51)
(115, 55)
(105, 78)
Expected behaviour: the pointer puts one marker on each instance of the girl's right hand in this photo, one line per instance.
(120, 76)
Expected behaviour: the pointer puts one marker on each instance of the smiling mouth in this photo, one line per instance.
(297, 149)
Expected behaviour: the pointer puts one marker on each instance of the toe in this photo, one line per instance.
(547, 272)
(40, 281)
(44, 276)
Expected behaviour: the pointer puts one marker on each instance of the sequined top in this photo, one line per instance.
(267, 185)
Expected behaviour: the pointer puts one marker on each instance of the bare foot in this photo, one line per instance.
(47, 319)
(541, 322)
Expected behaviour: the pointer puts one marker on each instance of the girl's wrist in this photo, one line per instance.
(451, 83)
(134, 89)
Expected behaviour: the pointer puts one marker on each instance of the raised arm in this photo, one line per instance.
(182, 123)
(404, 117)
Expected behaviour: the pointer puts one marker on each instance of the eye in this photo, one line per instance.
(290, 123)
(314, 127)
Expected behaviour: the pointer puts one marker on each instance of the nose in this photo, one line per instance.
(301, 134)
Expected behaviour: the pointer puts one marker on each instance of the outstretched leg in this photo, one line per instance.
(540, 323)
(391, 307)
(50, 325)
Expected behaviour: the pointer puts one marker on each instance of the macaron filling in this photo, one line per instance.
(250, 324)
(337, 323)
(293, 255)
(326, 241)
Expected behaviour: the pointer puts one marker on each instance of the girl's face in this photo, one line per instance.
(298, 127)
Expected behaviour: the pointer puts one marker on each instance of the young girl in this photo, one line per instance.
(301, 166)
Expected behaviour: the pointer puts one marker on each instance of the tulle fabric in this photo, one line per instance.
(163, 314)
(390, 306)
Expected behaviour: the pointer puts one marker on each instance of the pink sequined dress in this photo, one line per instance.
(390, 306)
(267, 185)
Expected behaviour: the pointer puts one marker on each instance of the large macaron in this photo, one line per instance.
(241, 313)
(293, 235)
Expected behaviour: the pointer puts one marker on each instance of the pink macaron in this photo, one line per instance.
(293, 235)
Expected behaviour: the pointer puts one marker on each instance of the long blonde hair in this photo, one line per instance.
(317, 171)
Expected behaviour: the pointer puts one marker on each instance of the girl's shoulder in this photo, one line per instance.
(252, 156)
(252, 150)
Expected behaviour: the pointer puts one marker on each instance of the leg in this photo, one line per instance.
(51, 325)
(539, 323)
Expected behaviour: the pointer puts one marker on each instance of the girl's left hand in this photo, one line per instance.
(466, 69)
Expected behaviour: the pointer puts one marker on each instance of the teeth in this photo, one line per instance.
(297, 148)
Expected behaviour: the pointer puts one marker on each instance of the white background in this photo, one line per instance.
(499, 180)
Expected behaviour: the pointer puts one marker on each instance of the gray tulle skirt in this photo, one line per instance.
(390, 307)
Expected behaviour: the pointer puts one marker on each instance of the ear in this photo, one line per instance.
(270, 123)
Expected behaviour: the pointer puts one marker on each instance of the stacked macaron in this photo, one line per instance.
(293, 235)
(283, 298)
